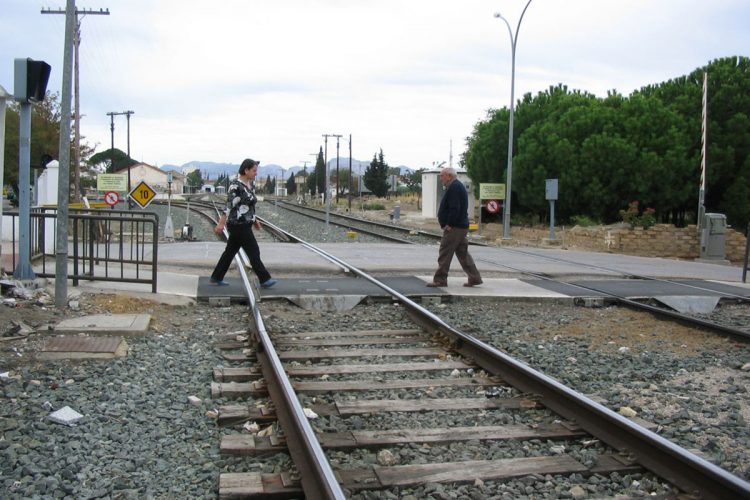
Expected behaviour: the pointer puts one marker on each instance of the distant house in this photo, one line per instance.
(155, 177)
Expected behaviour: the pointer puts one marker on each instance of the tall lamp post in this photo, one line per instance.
(509, 176)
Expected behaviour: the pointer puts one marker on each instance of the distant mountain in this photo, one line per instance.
(213, 170)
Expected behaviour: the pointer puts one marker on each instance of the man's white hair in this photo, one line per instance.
(450, 171)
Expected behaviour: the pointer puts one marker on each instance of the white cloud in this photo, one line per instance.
(225, 80)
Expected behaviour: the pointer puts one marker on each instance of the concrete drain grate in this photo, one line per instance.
(84, 348)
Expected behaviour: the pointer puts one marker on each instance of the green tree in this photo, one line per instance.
(316, 181)
(608, 152)
(376, 175)
(413, 183)
(112, 160)
(45, 134)
(222, 180)
(271, 185)
(194, 181)
(291, 186)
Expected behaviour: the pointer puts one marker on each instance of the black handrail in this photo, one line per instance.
(101, 243)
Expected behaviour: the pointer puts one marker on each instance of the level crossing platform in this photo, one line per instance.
(511, 272)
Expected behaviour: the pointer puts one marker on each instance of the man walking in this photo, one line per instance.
(454, 220)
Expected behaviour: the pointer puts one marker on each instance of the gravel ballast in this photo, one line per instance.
(689, 383)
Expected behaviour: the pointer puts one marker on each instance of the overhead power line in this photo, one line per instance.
(80, 13)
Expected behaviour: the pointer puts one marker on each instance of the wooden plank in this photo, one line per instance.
(450, 472)
(228, 345)
(234, 356)
(233, 414)
(238, 389)
(414, 405)
(355, 439)
(246, 444)
(426, 366)
(486, 470)
(235, 485)
(374, 385)
(345, 341)
(304, 355)
(259, 388)
(237, 414)
(240, 374)
(355, 333)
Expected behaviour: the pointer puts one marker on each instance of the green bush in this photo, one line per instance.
(373, 206)
(583, 221)
(633, 216)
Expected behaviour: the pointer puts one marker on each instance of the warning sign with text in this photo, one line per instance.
(491, 191)
(111, 182)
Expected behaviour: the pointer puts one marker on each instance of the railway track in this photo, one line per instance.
(704, 321)
(451, 373)
(388, 232)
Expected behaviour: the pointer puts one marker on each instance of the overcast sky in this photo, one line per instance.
(222, 81)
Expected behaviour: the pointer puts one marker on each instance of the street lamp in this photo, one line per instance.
(508, 179)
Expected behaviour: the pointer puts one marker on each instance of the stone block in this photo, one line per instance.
(219, 301)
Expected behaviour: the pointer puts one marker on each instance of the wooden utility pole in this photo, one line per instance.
(77, 103)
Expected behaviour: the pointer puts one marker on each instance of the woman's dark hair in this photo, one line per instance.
(247, 164)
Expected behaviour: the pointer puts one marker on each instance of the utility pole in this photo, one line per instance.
(112, 115)
(80, 14)
(350, 173)
(327, 196)
(63, 181)
(337, 168)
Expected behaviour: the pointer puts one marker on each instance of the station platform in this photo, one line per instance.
(512, 272)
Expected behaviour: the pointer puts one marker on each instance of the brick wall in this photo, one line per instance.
(661, 240)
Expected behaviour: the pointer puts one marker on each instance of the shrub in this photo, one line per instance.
(373, 206)
(583, 221)
(633, 216)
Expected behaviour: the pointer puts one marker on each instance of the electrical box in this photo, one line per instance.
(713, 236)
(551, 189)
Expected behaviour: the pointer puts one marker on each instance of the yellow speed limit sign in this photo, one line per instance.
(142, 194)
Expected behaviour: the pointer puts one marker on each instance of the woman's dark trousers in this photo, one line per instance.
(241, 236)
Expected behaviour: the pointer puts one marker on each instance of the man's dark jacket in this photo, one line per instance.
(454, 206)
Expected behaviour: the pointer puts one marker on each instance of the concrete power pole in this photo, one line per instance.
(63, 182)
(76, 85)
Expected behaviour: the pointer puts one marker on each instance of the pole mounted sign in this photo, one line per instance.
(112, 182)
(491, 191)
(142, 194)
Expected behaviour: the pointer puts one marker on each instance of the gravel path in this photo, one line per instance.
(140, 436)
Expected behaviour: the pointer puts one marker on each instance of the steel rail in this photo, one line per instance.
(317, 477)
(296, 210)
(623, 273)
(666, 459)
(405, 229)
(683, 318)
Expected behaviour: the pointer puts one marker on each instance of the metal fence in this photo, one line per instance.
(103, 245)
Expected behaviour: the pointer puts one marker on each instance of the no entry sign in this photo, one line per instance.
(111, 198)
(492, 206)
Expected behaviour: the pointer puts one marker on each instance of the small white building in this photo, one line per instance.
(433, 189)
(155, 177)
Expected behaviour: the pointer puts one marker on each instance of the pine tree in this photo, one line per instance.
(376, 176)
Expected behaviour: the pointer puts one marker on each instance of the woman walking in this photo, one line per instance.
(239, 220)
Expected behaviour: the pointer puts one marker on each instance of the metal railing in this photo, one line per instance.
(103, 244)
